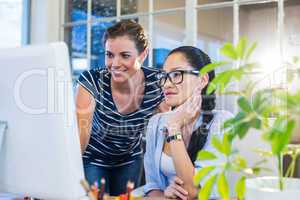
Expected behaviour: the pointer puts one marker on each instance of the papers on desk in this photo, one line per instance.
(3, 127)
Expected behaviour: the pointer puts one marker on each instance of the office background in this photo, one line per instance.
(208, 24)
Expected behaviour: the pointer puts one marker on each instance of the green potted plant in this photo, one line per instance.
(255, 108)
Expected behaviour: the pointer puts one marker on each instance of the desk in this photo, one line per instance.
(141, 198)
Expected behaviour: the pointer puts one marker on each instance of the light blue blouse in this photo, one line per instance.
(155, 179)
(167, 167)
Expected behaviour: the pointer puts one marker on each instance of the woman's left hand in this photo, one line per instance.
(186, 112)
(175, 190)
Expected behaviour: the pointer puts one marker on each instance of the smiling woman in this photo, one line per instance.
(113, 107)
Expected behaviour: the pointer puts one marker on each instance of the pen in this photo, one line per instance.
(102, 189)
(95, 190)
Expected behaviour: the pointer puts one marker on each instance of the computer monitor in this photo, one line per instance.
(40, 154)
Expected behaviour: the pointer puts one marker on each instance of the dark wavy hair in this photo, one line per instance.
(129, 28)
(198, 59)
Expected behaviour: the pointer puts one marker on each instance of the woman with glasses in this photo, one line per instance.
(174, 138)
(114, 105)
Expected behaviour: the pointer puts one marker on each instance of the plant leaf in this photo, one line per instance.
(212, 66)
(229, 123)
(282, 137)
(229, 51)
(233, 121)
(240, 187)
(205, 191)
(224, 80)
(244, 104)
(263, 153)
(223, 187)
(241, 162)
(241, 47)
(206, 155)
(249, 67)
(211, 87)
(261, 103)
(256, 123)
(217, 144)
(202, 173)
(256, 170)
(237, 74)
(256, 100)
(250, 50)
(242, 129)
(219, 82)
(226, 145)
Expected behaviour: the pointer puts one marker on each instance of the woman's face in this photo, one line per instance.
(177, 94)
(122, 58)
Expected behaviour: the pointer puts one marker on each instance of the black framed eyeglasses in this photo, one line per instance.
(175, 77)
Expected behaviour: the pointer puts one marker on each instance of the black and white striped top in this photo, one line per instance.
(116, 138)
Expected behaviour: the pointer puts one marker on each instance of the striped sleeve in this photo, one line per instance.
(88, 81)
(162, 96)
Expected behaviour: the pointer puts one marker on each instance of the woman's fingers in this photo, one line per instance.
(192, 100)
(177, 192)
(195, 103)
(177, 180)
(181, 190)
(190, 108)
(170, 192)
(177, 185)
(181, 196)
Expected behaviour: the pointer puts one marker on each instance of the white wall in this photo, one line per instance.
(216, 23)
(45, 21)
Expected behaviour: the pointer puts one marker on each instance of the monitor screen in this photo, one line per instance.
(40, 153)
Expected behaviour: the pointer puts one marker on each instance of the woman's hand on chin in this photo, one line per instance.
(175, 190)
(186, 112)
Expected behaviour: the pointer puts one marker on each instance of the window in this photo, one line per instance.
(259, 23)
(85, 39)
(170, 23)
(14, 19)
(292, 29)
(84, 36)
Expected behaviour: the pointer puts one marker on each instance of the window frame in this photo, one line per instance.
(26, 16)
(191, 8)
